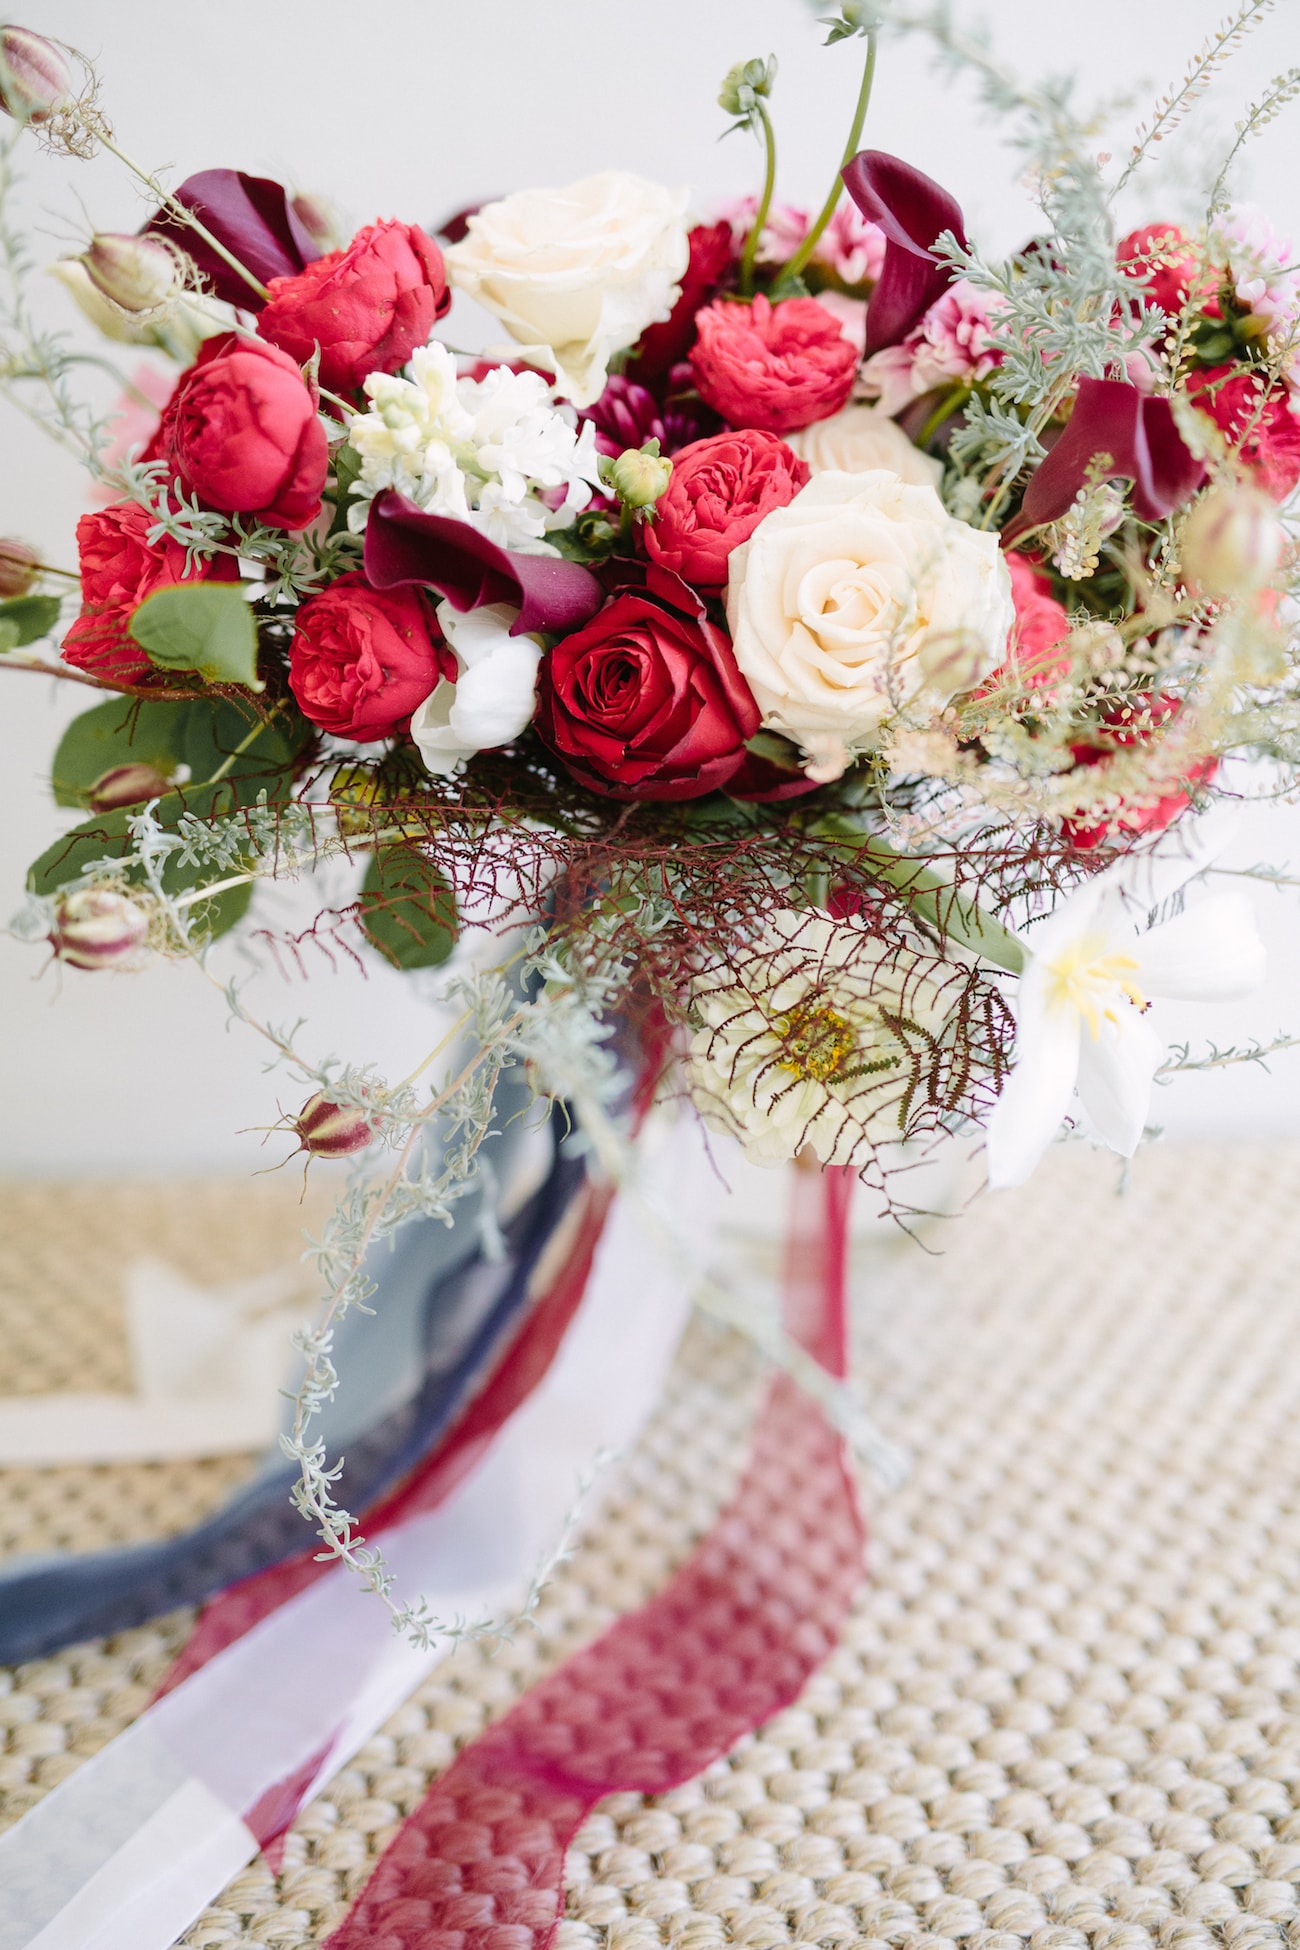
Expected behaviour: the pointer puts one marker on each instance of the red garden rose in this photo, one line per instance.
(242, 434)
(661, 346)
(363, 659)
(366, 307)
(719, 492)
(646, 703)
(1166, 258)
(778, 367)
(119, 568)
(1262, 427)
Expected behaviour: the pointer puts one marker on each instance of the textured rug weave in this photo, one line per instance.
(1066, 1710)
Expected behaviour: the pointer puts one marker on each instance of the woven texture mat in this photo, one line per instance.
(1066, 1709)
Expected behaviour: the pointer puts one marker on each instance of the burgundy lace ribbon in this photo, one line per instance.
(669, 1687)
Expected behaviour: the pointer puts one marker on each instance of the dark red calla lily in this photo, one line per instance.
(1139, 433)
(404, 544)
(255, 220)
(913, 211)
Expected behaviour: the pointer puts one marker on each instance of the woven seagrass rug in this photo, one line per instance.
(1066, 1710)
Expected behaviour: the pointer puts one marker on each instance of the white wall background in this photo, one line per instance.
(412, 108)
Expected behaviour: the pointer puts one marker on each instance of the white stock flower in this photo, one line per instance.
(862, 599)
(1081, 1002)
(577, 274)
(861, 439)
(491, 700)
(485, 451)
(819, 1039)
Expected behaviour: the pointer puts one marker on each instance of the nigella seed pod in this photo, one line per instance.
(35, 78)
(1231, 541)
(138, 274)
(330, 1130)
(98, 927)
(17, 568)
(127, 785)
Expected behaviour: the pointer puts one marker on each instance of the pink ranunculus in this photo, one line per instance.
(119, 568)
(1262, 426)
(364, 659)
(367, 307)
(1041, 626)
(851, 246)
(951, 345)
(776, 367)
(720, 490)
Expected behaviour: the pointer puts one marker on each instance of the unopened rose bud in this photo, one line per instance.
(639, 477)
(139, 274)
(17, 568)
(35, 77)
(97, 927)
(332, 1130)
(127, 785)
(1231, 541)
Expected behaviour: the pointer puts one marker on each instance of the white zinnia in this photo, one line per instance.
(483, 450)
(491, 700)
(861, 439)
(819, 1039)
(576, 275)
(1081, 1002)
(860, 601)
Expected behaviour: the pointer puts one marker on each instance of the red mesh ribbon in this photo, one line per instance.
(668, 1688)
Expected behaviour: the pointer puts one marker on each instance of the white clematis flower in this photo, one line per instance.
(491, 700)
(1081, 1006)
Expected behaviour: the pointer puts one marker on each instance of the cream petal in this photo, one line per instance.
(1116, 1070)
(1035, 1097)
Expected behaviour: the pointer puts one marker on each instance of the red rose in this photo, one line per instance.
(1167, 260)
(1260, 424)
(119, 568)
(661, 346)
(778, 367)
(242, 434)
(719, 492)
(645, 703)
(366, 307)
(363, 659)
(1135, 723)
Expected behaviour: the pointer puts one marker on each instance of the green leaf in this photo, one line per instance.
(201, 626)
(347, 472)
(26, 619)
(930, 897)
(212, 731)
(408, 911)
(118, 732)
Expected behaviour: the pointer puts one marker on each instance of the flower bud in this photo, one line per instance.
(1231, 541)
(17, 568)
(638, 477)
(744, 83)
(138, 274)
(35, 78)
(97, 927)
(332, 1130)
(127, 785)
(107, 318)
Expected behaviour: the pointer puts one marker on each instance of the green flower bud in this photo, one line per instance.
(745, 83)
(640, 475)
(138, 274)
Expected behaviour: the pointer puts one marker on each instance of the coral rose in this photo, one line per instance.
(366, 307)
(1164, 257)
(1042, 624)
(857, 440)
(1262, 426)
(719, 492)
(241, 432)
(1139, 722)
(646, 703)
(119, 568)
(775, 367)
(364, 659)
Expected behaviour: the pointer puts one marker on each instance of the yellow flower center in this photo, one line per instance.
(1086, 978)
(816, 1041)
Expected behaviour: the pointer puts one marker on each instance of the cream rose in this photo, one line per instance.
(860, 440)
(575, 275)
(861, 599)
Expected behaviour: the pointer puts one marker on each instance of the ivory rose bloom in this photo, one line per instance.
(862, 598)
(577, 274)
(860, 439)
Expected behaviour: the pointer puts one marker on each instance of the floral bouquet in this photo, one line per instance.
(797, 662)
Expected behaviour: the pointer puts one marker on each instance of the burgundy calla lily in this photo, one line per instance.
(1139, 433)
(913, 211)
(255, 220)
(404, 544)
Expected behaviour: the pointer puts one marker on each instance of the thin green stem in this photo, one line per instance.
(750, 253)
(180, 212)
(796, 264)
